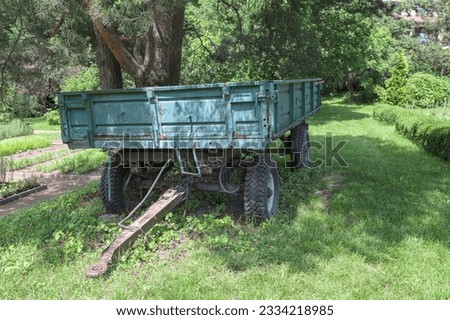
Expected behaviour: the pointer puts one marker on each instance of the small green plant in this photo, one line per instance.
(26, 162)
(81, 162)
(3, 169)
(13, 187)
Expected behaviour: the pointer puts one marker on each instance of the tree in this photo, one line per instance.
(269, 39)
(109, 68)
(433, 20)
(145, 37)
(33, 54)
(396, 84)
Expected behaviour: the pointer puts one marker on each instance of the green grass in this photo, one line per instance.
(377, 228)
(42, 124)
(29, 161)
(79, 163)
(20, 144)
(13, 129)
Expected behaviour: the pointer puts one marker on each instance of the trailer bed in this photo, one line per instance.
(245, 115)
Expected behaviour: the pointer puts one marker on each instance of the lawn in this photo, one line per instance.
(373, 226)
(42, 124)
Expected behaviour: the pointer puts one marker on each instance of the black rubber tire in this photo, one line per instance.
(300, 147)
(117, 205)
(257, 193)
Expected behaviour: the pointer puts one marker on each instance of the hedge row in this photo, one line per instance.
(430, 133)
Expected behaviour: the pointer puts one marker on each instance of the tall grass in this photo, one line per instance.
(15, 128)
(42, 123)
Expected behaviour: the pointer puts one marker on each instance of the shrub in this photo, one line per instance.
(386, 114)
(17, 105)
(426, 90)
(86, 80)
(430, 133)
(52, 117)
(395, 85)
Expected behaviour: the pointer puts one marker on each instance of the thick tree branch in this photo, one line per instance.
(118, 49)
(57, 28)
(112, 40)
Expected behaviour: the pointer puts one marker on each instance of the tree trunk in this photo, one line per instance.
(152, 59)
(110, 71)
(176, 46)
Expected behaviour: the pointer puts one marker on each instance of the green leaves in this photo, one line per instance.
(429, 132)
(85, 80)
(427, 91)
(395, 85)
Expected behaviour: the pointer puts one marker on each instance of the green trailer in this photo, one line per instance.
(219, 137)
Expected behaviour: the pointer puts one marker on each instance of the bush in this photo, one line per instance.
(386, 114)
(52, 117)
(86, 80)
(17, 105)
(430, 133)
(426, 90)
(395, 85)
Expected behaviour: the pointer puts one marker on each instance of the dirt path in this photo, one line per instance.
(57, 183)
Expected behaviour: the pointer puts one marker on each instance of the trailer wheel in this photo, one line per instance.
(117, 204)
(261, 190)
(300, 146)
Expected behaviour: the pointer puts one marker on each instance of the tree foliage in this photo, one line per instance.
(36, 47)
(434, 55)
(242, 40)
(396, 84)
(351, 44)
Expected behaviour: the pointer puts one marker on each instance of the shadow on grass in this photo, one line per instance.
(388, 195)
(337, 109)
